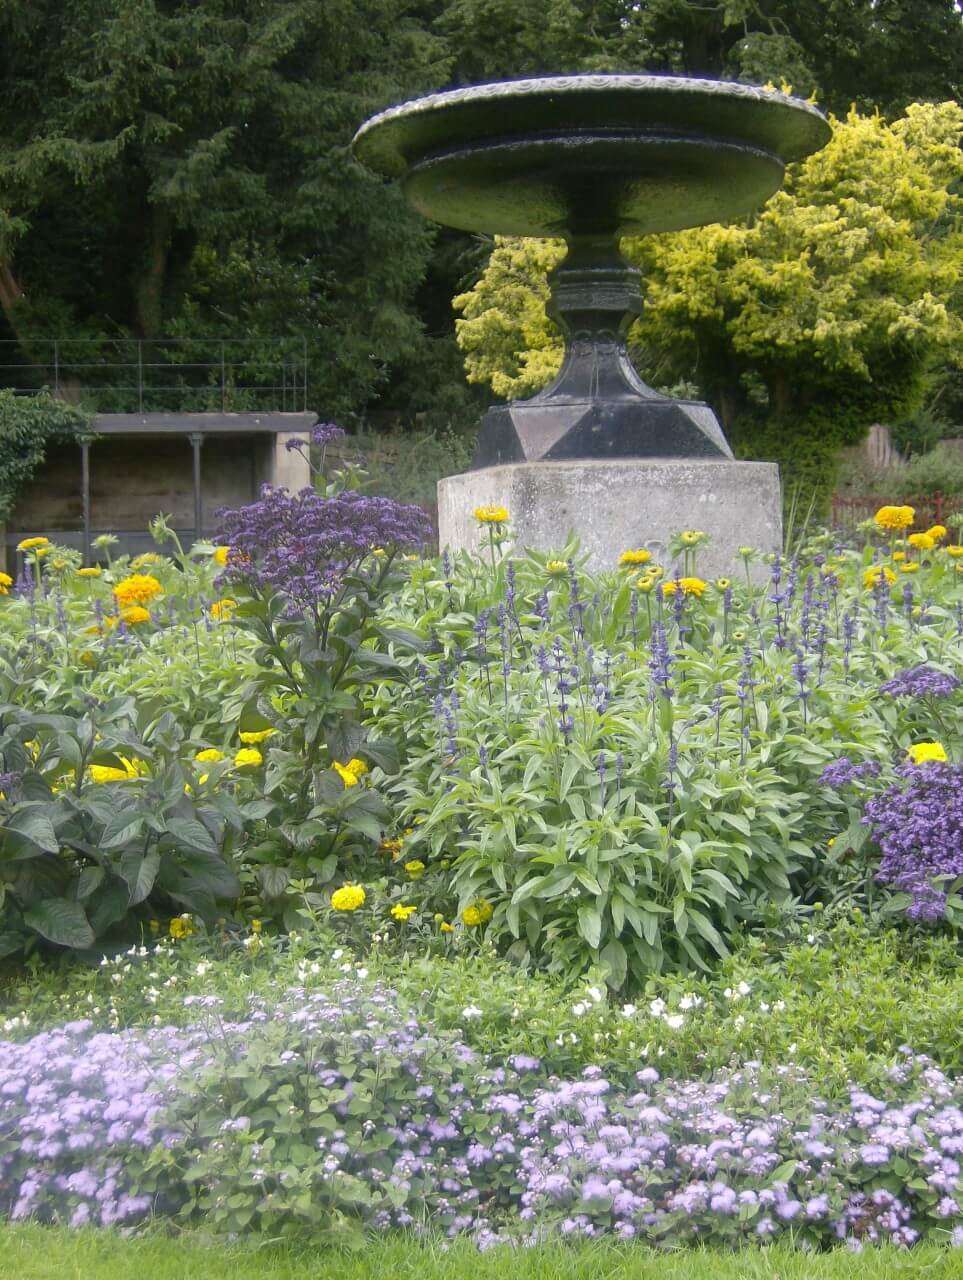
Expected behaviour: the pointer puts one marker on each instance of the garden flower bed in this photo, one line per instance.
(594, 852)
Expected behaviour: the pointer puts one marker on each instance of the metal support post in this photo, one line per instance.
(197, 439)
(85, 443)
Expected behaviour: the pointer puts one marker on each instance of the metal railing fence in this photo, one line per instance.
(162, 375)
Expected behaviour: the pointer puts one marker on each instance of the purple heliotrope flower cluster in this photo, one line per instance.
(416, 1130)
(843, 772)
(918, 825)
(920, 682)
(304, 545)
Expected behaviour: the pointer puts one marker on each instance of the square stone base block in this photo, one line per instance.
(611, 506)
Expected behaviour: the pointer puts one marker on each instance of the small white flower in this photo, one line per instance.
(362, 974)
(763, 1006)
(596, 994)
(728, 993)
(337, 953)
(675, 1021)
(779, 1006)
(810, 938)
(202, 968)
(689, 1001)
(579, 1009)
(628, 1011)
(743, 988)
(792, 1048)
(738, 1020)
(471, 1012)
(657, 1008)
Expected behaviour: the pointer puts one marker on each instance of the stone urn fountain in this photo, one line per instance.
(589, 159)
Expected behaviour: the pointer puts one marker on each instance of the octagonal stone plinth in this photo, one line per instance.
(610, 506)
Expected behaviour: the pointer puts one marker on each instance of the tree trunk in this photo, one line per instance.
(10, 295)
(149, 286)
(782, 399)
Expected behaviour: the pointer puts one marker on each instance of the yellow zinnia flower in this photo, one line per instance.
(221, 610)
(6, 582)
(895, 517)
(347, 777)
(921, 541)
(110, 773)
(478, 913)
(181, 926)
(723, 584)
(402, 913)
(92, 571)
(878, 573)
(924, 752)
(955, 552)
(144, 559)
(637, 555)
(899, 555)
(253, 736)
(248, 758)
(556, 567)
(220, 555)
(357, 767)
(134, 615)
(937, 532)
(348, 898)
(690, 587)
(210, 755)
(690, 537)
(645, 583)
(31, 544)
(491, 514)
(415, 868)
(139, 588)
(911, 566)
(392, 846)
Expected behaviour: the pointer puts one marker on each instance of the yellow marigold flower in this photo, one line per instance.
(402, 912)
(899, 555)
(248, 758)
(937, 532)
(6, 582)
(107, 773)
(955, 552)
(637, 555)
(445, 927)
(645, 583)
(655, 571)
(345, 774)
(348, 898)
(556, 567)
(924, 752)
(415, 868)
(910, 566)
(134, 615)
(478, 913)
(251, 737)
(256, 926)
(220, 555)
(723, 584)
(110, 773)
(222, 609)
(139, 588)
(895, 517)
(491, 514)
(878, 573)
(357, 767)
(210, 755)
(92, 571)
(59, 564)
(31, 544)
(392, 846)
(145, 559)
(921, 541)
(181, 926)
(690, 587)
(690, 537)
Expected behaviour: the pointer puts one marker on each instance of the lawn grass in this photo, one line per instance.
(30, 1252)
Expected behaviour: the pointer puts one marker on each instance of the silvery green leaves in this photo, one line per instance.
(103, 831)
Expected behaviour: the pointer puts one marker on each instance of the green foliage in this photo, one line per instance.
(101, 830)
(29, 425)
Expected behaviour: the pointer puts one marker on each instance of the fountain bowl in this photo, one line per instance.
(587, 155)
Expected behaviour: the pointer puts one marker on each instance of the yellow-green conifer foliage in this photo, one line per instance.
(801, 325)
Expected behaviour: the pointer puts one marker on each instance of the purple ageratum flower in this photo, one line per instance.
(303, 545)
(918, 825)
(921, 681)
